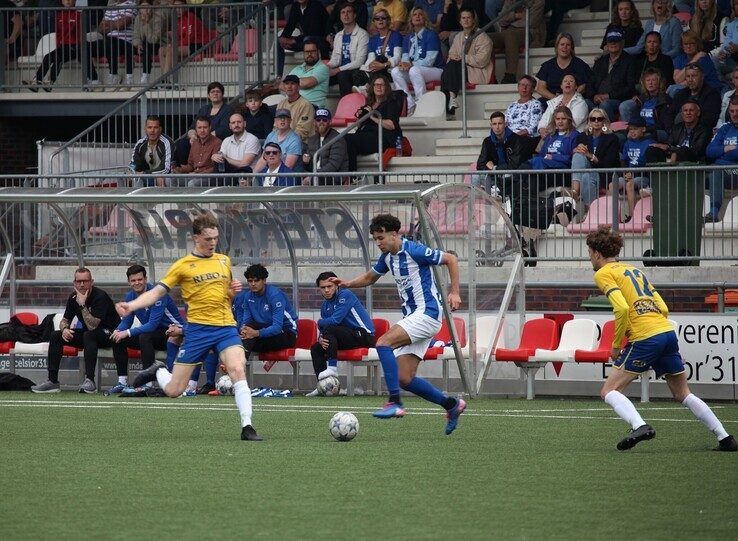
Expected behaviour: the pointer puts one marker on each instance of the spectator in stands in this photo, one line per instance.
(397, 12)
(152, 154)
(422, 61)
(364, 141)
(724, 117)
(259, 119)
(332, 159)
(13, 25)
(597, 148)
(477, 61)
(238, 151)
(95, 311)
(149, 32)
(265, 317)
(522, 116)
(559, 8)
(502, 149)
(313, 74)
(384, 51)
(433, 10)
(349, 50)
(202, 149)
(569, 98)
(511, 35)
(274, 168)
(708, 97)
(554, 151)
(654, 105)
(450, 23)
(723, 150)
(289, 142)
(565, 62)
(687, 141)
(302, 112)
(706, 22)
(117, 29)
(217, 111)
(336, 24)
(625, 17)
(693, 54)
(665, 24)
(150, 335)
(727, 54)
(344, 324)
(652, 57)
(68, 37)
(633, 154)
(311, 18)
(613, 76)
(191, 36)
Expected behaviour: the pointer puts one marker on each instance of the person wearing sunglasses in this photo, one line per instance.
(275, 171)
(397, 12)
(333, 159)
(289, 142)
(597, 148)
(383, 52)
(665, 24)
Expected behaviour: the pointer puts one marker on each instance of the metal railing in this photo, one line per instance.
(374, 115)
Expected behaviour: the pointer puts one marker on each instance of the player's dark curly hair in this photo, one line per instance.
(257, 271)
(604, 240)
(204, 221)
(384, 223)
(324, 276)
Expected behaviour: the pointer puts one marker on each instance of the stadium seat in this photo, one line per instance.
(274, 100)
(604, 349)
(620, 125)
(110, 229)
(307, 334)
(600, 213)
(251, 46)
(685, 18)
(367, 356)
(484, 328)
(576, 334)
(638, 222)
(539, 333)
(446, 352)
(46, 44)
(27, 318)
(729, 221)
(346, 109)
(42, 348)
(431, 105)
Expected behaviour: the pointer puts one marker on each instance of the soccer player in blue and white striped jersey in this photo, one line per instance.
(404, 345)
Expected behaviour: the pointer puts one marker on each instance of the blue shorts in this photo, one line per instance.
(660, 353)
(200, 339)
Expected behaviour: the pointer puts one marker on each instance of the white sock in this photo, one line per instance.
(192, 385)
(703, 412)
(243, 401)
(123, 380)
(624, 408)
(163, 377)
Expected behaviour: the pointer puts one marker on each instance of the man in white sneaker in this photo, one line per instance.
(95, 311)
(344, 324)
(117, 29)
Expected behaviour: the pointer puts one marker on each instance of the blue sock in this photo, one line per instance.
(333, 363)
(424, 389)
(196, 373)
(389, 367)
(172, 350)
(211, 367)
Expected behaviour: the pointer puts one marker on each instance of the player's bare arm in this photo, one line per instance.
(366, 279)
(454, 294)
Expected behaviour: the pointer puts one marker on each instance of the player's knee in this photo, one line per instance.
(382, 341)
(236, 373)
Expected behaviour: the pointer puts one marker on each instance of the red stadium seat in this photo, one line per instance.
(604, 348)
(27, 318)
(361, 355)
(307, 334)
(600, 213)
(638, 222)
(346, 109)
(537, 333)
(251, 46)
(446, 353)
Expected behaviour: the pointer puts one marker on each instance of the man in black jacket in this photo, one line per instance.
(502, 150)
(705, 95)
(687, 140)
(95, 311)
(312, 19)
(613, 76)
(152, 154)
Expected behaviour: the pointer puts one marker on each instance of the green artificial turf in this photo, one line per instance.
(92, 467)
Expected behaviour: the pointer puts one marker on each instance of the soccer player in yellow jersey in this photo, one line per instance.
(208, 288)
(641, 318)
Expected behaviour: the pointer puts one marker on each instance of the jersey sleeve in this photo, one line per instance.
(239, 313)
(422, 254)
(172, 277)
(278, 305)
(155, 315)
(380, 267)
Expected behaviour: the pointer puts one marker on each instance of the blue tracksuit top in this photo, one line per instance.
(345, 309)
(560, 147)
(271, 313)
(163, 313)
(422, 49)
(634, 152)
(726, 135)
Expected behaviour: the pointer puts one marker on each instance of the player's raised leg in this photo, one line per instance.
(680, 390)
(234, 360)
(612, 394)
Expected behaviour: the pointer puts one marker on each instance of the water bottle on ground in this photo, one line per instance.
(398, 147)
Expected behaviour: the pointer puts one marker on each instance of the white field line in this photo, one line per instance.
(530, 414)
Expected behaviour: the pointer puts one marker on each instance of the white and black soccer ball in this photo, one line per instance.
(224, 385)
(344, 426)
(329, 386)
